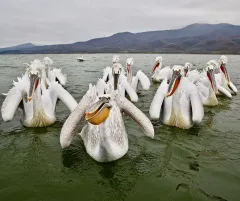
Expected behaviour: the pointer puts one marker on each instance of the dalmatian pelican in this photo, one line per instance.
(123, 85)
(207, 87)
(159, 73)
(54, 74)
(36, 102)
(105, 137)
(177, 103)
(139, 78)
(223, 78)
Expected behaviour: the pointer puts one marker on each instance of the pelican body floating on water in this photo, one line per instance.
(104, 136)
(36, 102)
(207, 87)
(139, 78)
(223, 78)
(177, 103)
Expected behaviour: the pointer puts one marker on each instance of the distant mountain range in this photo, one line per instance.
(195, 38)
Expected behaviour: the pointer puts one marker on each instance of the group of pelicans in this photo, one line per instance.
(178, 101)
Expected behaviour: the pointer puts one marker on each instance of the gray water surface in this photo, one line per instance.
(202, 163)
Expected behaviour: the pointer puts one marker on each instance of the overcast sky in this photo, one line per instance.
(67, 21)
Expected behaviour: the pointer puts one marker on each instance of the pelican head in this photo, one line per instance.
(210, 74)
(223, 60)
(116, 71)
(115, 59)
(223, 68)
(129, 64)
(158, 63)
(214, 63)
(99, 111)
(34, 73)
(47, 61)
(187, 67)
(175, 81)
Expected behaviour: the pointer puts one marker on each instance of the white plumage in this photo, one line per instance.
(54, 74)
(123, 86)
(159, 73)
(225, 86)
(140, 77)
(38, 101)
(115, 59)
(178, 103)
(107, 141)
(207, 87)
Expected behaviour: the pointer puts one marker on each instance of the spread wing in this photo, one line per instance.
(137, 115)
(11, 103)
(70, 126)
(57, 91)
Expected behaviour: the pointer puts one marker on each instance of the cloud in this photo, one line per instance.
(60, 21)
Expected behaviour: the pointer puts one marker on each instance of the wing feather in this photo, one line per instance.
(11, 103)
(137, 115)
(130, 91)
(157, 101)
(144, 80)
(60, 76)
(70, 126)
(57, 90)
(197, 106)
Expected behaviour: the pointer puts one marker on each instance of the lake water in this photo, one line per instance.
(202, 163)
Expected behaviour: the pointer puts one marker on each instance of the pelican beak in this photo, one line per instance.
(98, 112)
(157, 64)
(230, 85)
(224, 70)
(174, 83)
(211, 77)
(116, 78)
(34, 81)
(185, 71)
(128, 67)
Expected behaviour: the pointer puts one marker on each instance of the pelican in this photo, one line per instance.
(140, 77)
(202, 81)
(208, 88)
(54, 74)
(36, 102)
(193, 75)
(107, 72)
(223, 78)
(123, 84)
(177, 103)
(104, 136)
(214, 63)
(187, 69)
(160, 73)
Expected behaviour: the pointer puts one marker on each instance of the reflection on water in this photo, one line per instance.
(201, 163)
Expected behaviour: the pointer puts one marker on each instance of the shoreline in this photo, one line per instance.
(84, 53)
